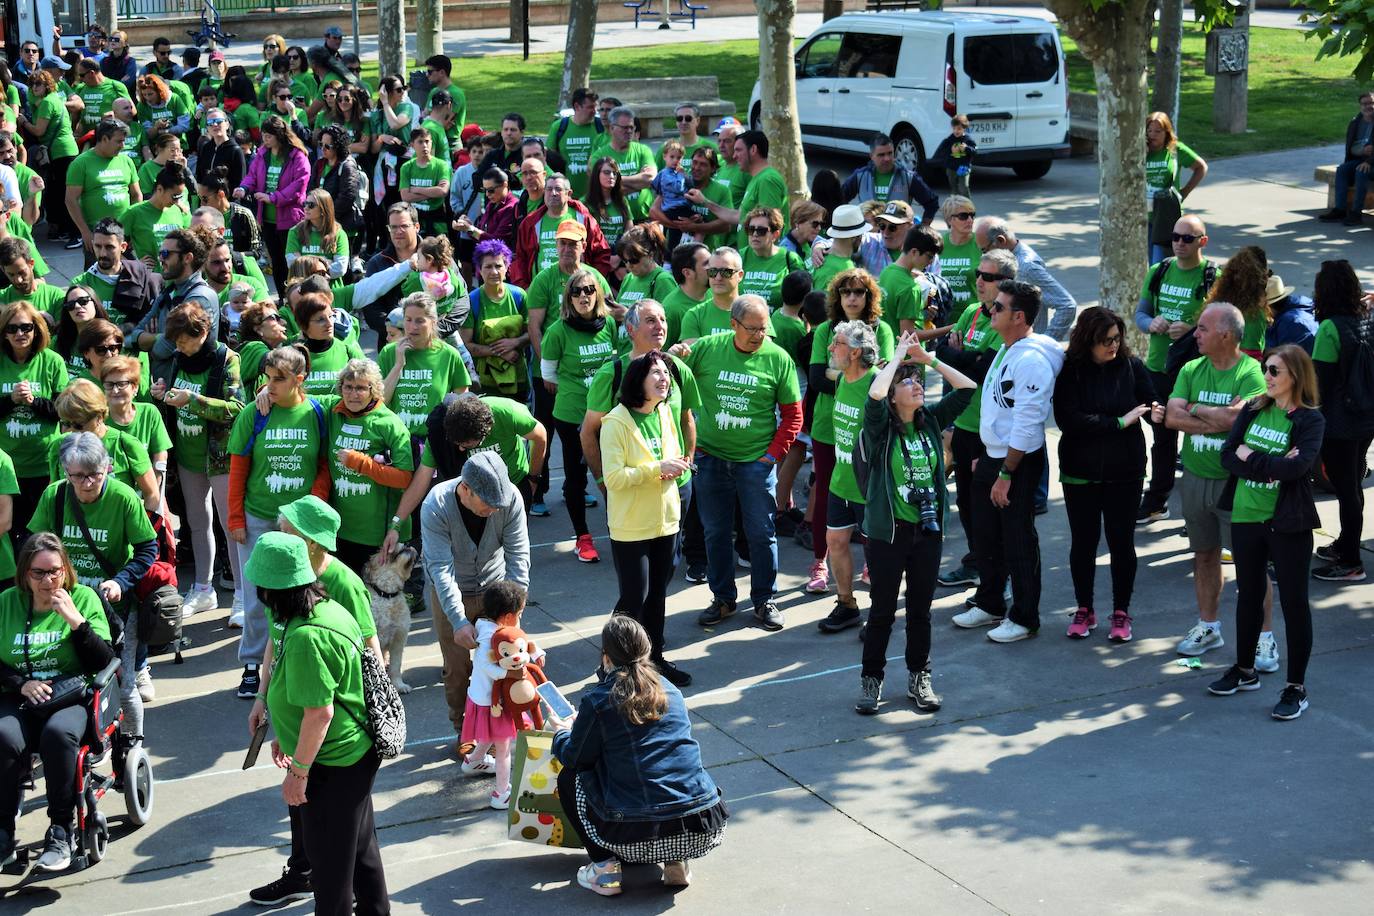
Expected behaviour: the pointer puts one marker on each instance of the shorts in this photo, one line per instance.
(843, 514)
(1209, 528)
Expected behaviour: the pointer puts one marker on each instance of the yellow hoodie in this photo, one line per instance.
(639, 506)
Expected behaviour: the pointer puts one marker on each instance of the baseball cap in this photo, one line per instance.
(571, 229)
(396, 318)
(724, 123)
(469, 131)
(216, 55)
(52, 63)
(333, 32)
(897, 211)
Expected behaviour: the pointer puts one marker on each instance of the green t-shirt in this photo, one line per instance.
(23, 434)
(1178, 300)
(170, 110)
(192, 440)
(575, 145)
(316, 668)
(428, 376)
(919, 474)
(739, 396)
(147, 173)
(304, 89)
(578, 355)
(959, 267)
(546, 292)
(733, 178)
(414, 175)
(346, 588)
(460, 102)
(614, 224)
(492, 321)
(133, 148)
(1327, 346)
(45, 297)
(50, 652)
(147, 426)
(146, 226)
(633, 160)
(323, 377)
(718, 193)
(116, 521)
(275, 164)
(651, 429)
(104, 184)
(439, 149)
(128, 457)
(99, 100)
(285, 457)
(1163, 168)
(658, 285)
(246, 118)
(763, 276)
(511, 423)
(766, 189)
(822, 429)
(363, 504)
(789, 333)
(23, 174)
(706, 320)
(676, 305)
(58, 137)
(848, 420)
(900, 292)
(687, 152)
(548, 246)
(314, 245)
(828, 269)
(1270, 432)
(9, 486)
(882, 185)
(251, 356)
(602, 399)
(1200, 383)
(975, 331)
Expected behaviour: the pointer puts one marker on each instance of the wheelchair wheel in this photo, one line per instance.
(96, 837)
(138, 785)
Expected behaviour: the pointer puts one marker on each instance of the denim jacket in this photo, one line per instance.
(650, 772)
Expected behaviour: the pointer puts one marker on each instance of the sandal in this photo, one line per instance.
(601, 878)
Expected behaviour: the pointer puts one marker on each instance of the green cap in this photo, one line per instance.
(279, 560)
(315, 519)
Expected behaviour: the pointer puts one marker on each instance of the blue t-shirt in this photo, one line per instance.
(673, 184)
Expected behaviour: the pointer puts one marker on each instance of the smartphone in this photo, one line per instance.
(555, 701)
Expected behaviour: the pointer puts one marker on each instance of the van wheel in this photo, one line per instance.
(756, 117)
(906, 147)
(1029, 171)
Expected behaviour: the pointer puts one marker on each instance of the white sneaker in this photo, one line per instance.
(199, 599)
(975, 617)
(1009, 631)
(1267, 654)
(484, 767)
(1200, 639)
(236, 614)
(500, 800)
(144, 682)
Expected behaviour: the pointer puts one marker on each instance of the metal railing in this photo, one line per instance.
(152, 9)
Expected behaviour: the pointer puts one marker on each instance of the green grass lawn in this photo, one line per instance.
(1294, 100)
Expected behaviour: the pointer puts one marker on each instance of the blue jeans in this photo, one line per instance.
(718, 484)
(1344, 173)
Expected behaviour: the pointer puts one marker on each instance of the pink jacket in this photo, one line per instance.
(289, 198)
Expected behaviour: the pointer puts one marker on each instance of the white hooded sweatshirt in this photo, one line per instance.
(1016, 395)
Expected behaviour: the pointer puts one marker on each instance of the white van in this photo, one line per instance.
(906, 74)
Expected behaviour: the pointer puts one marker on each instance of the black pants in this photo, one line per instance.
(1163, 451)
(917, 556)
(693, 534)
(1254, 545)
(341, 839)
(567, 794)
(57, 738)
(353, 554)
(543, 412)
(1344, 462)
(55, 196)
(574, 475)
(275, 241)
(967, 448)
(1007, 542)
(644, 569)
(24, 502)
(1091, 508)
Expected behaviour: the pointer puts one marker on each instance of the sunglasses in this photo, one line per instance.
(989, 278)
(213, 121)
(324, 147)
(79, 300)
(1112, 341)
(165, 253)
(815, 224)
(491, 190)
(683, 119)
(1185, 237)
(582, 290)
(720, 271)
(631, 260)
(967, 214)
(853, 291)
(760, 230)
(69, 426)
(1272, 370)
(16, 329)
(311, 204)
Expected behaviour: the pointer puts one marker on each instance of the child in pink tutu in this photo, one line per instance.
(502, 604)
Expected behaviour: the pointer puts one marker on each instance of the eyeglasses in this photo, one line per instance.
(760, 230)
(853, 291)
(106, 349)
(1186, 237)
(582, 290)
(15, 330)
(118, 384)
(990, 278)
(1272, 370)
(721, 271)
(1112, 341)
(87, 479)
(39, 575)
(967, 214)
(79, 300)
(166, 253)
(751, 330)
(909, 382)
(623, 126)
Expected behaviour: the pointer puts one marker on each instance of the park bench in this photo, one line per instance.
(1327, 174)
(644, 9)
(658, 98)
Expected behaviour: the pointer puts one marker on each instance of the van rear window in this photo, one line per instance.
(998, 60)
(868, 56)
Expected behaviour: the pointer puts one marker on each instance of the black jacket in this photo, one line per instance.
(227, 154)
(135, 290)
(1341, 423)
(342, 185)
(1088, 399)
(1352, 131)
(1296, 510)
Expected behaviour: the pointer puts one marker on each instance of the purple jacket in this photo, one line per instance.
(289, 198)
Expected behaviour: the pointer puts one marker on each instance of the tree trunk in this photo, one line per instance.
(1116, 38)
(1168, 59)
(391, 39)
(107, 15)
(778, 93)
(517, 20)
(577, 57)
(429, 28)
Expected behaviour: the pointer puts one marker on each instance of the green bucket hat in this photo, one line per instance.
(279, 560)
(314, 519)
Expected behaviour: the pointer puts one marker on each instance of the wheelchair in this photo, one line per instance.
(131, 771)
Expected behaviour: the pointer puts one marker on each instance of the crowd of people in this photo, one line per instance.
(691, 337)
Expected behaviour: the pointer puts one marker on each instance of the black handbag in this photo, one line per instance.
(66, 691)
(1181, 352)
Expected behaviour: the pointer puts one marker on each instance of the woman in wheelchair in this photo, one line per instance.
(51, 629)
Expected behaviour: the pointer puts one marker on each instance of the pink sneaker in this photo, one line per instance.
(586, 550)
(819, 578)
(1121, 627)
(1084, 619)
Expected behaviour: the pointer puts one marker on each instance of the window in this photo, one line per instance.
(1036, 57)
(818, 58)
(999, 60)
(868, 56)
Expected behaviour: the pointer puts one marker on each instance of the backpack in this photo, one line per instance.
(563, 129)
(517, 296)
(159, 602)
(941, 297)
(1184, 350)
(260, 423)
(1209, 276)
(1357, 375)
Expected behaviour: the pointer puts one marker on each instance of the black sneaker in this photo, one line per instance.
(289, 887)
(1334, 215)
(249, 683)
(672, 673)
(57, 851)
(803, 537)
(72, 245)
(919, 688)
(1328, 554)
(842, 617)
(960, 575)
(768, 616)
(1353, 218)
(1291, 703)
(718, 610)
(785, 525)
(696, 573)
(1234, 679)
(1147, 515)
(1339, 572)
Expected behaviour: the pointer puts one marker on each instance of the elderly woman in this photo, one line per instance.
(261, 329)
(496, 330)
(319, 234)
(109, 540)
(205, 393)
(82, 408)
(32, 374)
(80, 307)
(1165, 159)
(160, 111)
(315, 698)
(765, 263)
(50, 628)
(633, 784)
(419, 369)
(315, 316)
(573, 349)
(218, 148)
(277, 178)
(51, 129)
(642, 456)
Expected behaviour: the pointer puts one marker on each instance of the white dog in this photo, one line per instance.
(385, 580)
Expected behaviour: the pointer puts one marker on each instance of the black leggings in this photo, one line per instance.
(543, 412)
(967, 447)
(341, 839)
(55, 196)
(24, 502)
(574, 475)
(56, 738)
(1163, 450)
(1344, 462)
(567, 793)
(1254, 545)
(917, 556)
(644, 569)
(275, 240)
(1091, 508)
